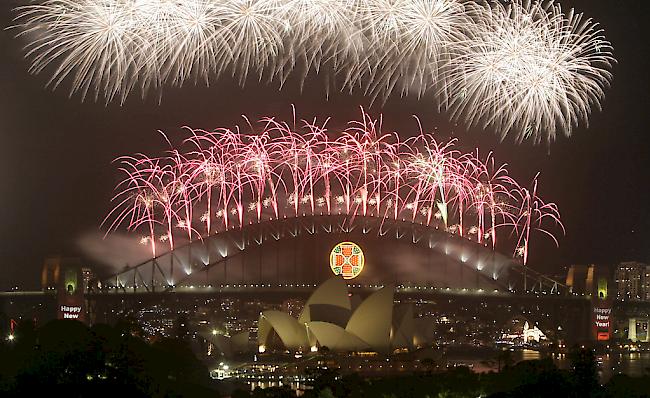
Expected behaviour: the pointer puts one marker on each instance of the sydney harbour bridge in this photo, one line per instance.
(273, 205)
(293, 253)
(289, 257)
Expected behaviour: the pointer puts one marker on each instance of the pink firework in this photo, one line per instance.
(226, 179)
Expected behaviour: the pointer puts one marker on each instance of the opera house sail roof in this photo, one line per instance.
(328, 319)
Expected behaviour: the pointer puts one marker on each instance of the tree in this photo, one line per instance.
(326, 393)
(429, 364)
(68, 358)
(623, 386)
(584, 372)
(273, 392)
(504, 359)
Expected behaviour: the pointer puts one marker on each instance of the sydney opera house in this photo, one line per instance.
(341, 322)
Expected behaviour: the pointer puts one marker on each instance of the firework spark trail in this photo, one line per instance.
(525, 69)
(408, 41)
(528, 69)
(223, 179)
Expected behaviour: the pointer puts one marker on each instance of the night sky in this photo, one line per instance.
(57, 178)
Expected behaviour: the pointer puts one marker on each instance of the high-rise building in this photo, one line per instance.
(638, 330)
(88, 275)
(646, 284)
(632, 281)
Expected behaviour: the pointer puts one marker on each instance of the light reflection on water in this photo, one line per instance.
(632, 364)
(297, 387)
(529, 355)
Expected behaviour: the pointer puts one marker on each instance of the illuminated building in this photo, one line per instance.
(529, 334)
(633, 281)
(533, 334)
(229, 345)
(222, 372)
(329, 320)
(638, 330)
(522, 333)
(88, 275)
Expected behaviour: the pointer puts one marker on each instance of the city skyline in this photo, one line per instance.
(59, 177)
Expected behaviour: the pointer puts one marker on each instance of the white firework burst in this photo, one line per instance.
(526, 69)
(529, 69)
(89, 42)
(111, 47)
(321, 32)
(253, 35)
(409, 40)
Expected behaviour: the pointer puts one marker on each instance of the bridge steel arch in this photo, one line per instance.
(259, 256)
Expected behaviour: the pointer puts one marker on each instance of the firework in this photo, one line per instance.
(528, 69)
(227, 179)
(409, 41)
(112, 47)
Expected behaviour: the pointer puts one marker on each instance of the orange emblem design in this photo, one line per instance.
(347, 260)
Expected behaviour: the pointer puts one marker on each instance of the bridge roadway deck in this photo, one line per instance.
(302, 290)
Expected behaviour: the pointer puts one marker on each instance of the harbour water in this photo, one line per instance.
(632, 364)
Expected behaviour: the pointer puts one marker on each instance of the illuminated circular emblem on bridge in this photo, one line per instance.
(347, 259)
